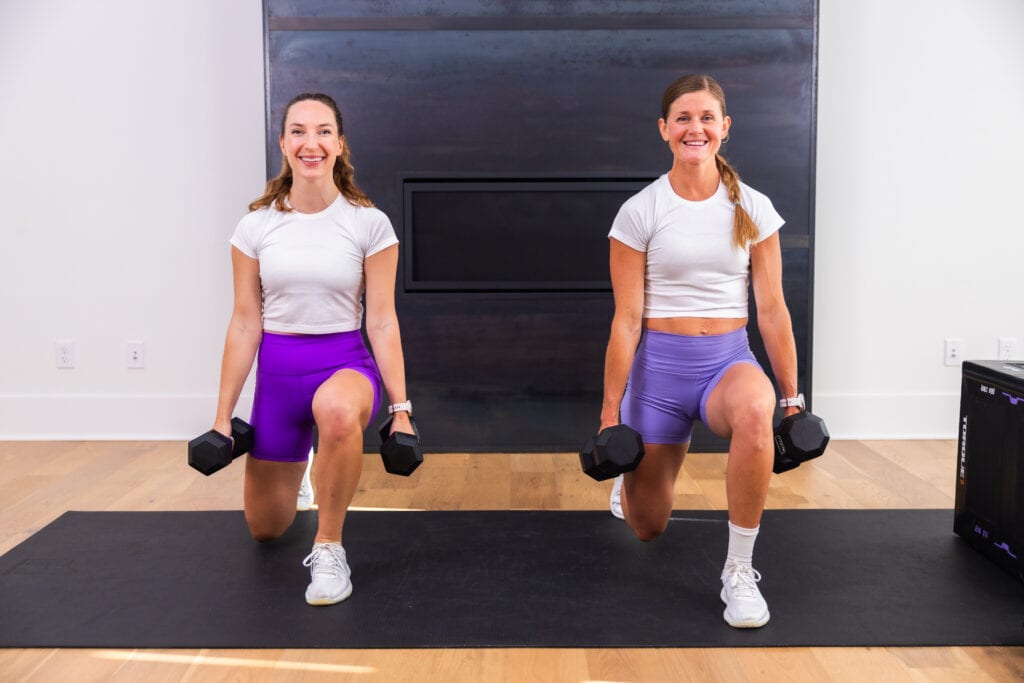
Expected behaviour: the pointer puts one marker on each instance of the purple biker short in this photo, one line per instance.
(289, 371)
(672, 377)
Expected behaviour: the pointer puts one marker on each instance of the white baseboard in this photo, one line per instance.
(109, 417)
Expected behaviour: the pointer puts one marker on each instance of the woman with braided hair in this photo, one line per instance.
(683, 251)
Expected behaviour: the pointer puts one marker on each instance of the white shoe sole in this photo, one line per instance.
(330, 600)
(754, 622)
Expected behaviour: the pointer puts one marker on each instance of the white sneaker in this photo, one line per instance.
(615, 501)
(305, 500)
(330, 574)
(744, 606)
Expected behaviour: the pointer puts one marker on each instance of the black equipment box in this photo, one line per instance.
(989, 510)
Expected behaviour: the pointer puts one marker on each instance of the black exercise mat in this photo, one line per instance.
(502, 579)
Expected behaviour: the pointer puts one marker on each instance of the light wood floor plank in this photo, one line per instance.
(41, 480)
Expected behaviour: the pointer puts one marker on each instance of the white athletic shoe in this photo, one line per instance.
(615, 501)
(305, 500)
(744, 606)
(330, 574)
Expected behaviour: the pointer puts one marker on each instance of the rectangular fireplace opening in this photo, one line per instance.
(495, 235)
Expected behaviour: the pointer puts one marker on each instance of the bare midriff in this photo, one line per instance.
(695, 327)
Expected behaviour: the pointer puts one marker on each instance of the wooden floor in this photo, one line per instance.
(41, 480)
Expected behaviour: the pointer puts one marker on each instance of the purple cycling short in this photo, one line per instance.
(672, 377)
(289, 371)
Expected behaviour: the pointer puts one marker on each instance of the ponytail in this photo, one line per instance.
(744, 230)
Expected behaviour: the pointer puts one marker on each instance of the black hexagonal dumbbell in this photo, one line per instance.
(614, 451)
(401, 452)
(798, 438)
(212, 451)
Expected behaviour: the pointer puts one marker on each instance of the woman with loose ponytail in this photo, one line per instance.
(684, 251)
(304, 258)
(344, 174)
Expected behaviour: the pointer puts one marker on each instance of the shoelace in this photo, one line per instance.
(742, 579)
(327, 559)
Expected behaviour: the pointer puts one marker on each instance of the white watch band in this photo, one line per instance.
(794, 402)
(400, 407)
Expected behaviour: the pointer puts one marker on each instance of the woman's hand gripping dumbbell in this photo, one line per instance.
(400, 451)
(212, 451)
(798, 437)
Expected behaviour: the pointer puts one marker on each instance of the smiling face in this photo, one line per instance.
(694, 127)
(310, 141)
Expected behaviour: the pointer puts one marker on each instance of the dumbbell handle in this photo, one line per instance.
(241, 437)
(385, 430)
(238, 445)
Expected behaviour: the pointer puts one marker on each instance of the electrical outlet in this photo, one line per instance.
(64, 352)
(952, 351)
(136, 354)
(1007, 348)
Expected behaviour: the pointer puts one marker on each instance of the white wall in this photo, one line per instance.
(133, 133)
(919, 227)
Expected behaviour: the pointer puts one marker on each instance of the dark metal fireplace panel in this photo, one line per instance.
(500, 137)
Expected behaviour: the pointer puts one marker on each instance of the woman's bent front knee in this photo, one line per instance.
(338, 421)
(343, 405)
(752, 421)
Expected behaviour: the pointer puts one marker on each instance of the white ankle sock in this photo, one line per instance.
(741, 544)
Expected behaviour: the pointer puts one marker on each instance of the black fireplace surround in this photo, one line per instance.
(501, 138)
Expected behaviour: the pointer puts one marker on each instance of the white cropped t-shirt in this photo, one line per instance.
(693, 268)
(311, 265)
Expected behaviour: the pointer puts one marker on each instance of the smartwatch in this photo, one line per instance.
(794, 402)
(400, 407)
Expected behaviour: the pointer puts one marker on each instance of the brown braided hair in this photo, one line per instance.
(744, 229)
(277, 189)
